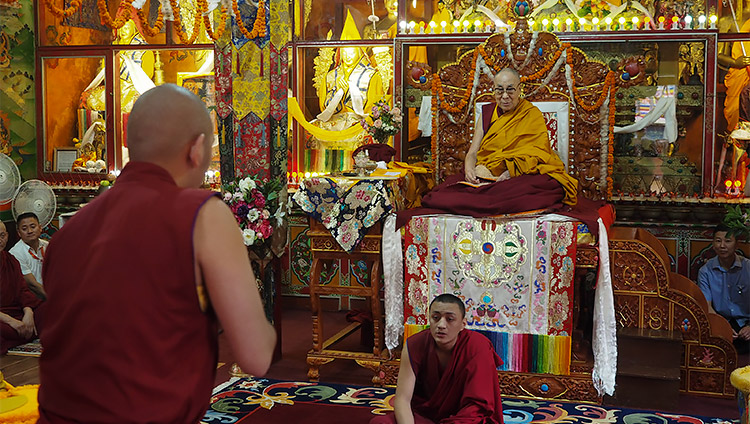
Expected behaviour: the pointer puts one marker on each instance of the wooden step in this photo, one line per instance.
(648, 369)
(648, 350)
(645, 393)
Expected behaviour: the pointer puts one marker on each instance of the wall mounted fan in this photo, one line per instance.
(38, 197)
(10, 179)
(32, 196)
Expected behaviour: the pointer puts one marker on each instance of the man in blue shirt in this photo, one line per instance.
(725, 282)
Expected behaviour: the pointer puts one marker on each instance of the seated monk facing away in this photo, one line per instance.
(510, 166)
(448, 374)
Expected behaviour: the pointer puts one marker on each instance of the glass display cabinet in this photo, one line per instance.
(678, 156)
(92, 69)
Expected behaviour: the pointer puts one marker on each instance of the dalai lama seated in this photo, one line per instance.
(510, 166)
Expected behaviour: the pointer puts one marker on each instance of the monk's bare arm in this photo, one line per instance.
(225, 268)
(34, 286)
(470, 162)
(404, 390)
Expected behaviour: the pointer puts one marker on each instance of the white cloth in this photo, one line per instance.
(393, 274)
(666, 106)
(141, 81)
(334, 103)
(605, 328)
(30, 265)
(96, 81)
(425, 116)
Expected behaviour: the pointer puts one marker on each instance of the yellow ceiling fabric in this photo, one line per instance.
(296, 112)
(250, 92)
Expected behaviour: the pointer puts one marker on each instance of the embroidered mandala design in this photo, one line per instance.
(477, 246)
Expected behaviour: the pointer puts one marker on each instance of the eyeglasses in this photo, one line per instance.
(510, 91)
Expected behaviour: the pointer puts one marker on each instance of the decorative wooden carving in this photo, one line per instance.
(545, 386)
(587, 257)
(648, 296)
(546, 64)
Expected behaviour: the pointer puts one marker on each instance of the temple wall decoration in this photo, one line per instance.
(252, 86)
(17, 90)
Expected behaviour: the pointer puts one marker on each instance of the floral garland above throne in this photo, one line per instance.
(550, 71)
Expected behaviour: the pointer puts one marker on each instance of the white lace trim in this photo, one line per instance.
(605, 329)
(393, 273)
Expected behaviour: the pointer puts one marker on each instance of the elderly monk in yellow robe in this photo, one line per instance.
(516, 142)
(510, 166)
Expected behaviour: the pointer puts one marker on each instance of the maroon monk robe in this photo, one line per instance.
(128, 342)
(467, 391)
(519, 194)
(14, 296)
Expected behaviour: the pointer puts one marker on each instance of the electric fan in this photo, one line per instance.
(10, 179)
(35, 196)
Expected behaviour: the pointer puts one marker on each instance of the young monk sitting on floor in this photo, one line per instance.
(448, 374)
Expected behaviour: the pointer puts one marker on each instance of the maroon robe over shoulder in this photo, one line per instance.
(14, 296)
(467, 391)
(127, 341)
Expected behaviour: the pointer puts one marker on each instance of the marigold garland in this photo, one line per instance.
(611, 141)
(222, 23)
(547, 66)
(151, 31)
(467, 94)
(487, 59)
(259, 26)
(122, 15)
(184, 39)
(63, 13)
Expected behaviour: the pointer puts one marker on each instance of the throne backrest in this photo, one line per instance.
(555, 117)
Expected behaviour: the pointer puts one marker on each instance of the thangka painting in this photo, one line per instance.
(515, 278)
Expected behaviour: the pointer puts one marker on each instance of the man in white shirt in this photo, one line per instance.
(29, 251)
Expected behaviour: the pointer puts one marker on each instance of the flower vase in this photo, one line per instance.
(260, 256)
(260, 259)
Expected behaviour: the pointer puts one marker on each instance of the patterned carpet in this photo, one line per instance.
(250, 400)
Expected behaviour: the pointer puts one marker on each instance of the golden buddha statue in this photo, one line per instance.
(349, 90)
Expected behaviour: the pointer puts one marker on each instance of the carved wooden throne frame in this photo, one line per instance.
(550, 71)
(647, 295)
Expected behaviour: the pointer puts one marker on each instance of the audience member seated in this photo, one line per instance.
(448, 373)
(17, 303)
(29, 251)
(510, 166)
(725, 282)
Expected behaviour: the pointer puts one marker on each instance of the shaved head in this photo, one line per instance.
(509, 73)
(164, 121)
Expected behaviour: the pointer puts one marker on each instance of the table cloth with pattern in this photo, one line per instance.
(348, 206)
